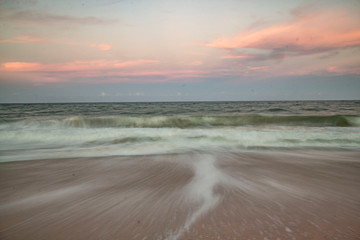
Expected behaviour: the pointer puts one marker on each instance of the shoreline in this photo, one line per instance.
(263, 195)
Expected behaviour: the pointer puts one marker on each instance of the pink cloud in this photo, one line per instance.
(344, 70)
(24, 39)
(102, 46)
(73, 66)
(196, 63)
(20, 67)
(306, 32)
(85, 70)
(235, 57)
(258, 68)
(142, 70)
(197, 53)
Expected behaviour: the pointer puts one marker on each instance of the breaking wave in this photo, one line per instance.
(42, 137)
(185, 122)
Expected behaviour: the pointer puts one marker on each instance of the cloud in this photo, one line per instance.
(342, 70)
(102, 46)
(83, 71)
(75, 66)
(20, 67)
(235, 57)
(40, 18)
(24, 39)
(197, 53)
(141, 70)
(257, 68)
(196, 63)
(28, 39)
(307, 33)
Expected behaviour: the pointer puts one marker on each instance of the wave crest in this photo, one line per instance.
(210, 121)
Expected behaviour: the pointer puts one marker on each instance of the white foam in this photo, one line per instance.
(43, 142)
(201, 189)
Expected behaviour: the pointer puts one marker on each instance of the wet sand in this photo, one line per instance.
(268, 195)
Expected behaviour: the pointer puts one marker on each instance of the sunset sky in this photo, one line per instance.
(171, 50)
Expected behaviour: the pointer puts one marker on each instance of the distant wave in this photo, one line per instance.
(185, 122)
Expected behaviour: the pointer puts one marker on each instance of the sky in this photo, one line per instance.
(170, 50)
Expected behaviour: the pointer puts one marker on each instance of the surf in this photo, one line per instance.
(187, 122)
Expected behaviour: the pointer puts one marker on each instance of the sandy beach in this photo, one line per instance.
(250, 195)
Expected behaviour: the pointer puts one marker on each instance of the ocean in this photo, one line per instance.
(42, 131)
(180, 170)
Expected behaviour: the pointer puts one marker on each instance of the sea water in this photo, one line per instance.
(49, 131)
(184, 170)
